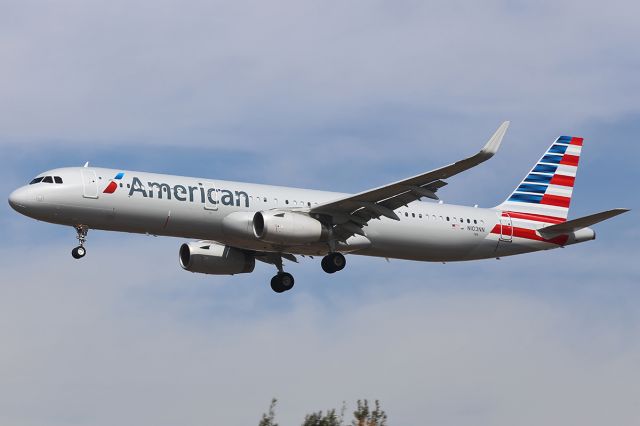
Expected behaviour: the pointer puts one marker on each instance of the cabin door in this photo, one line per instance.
(506, 228)
(89, 184)
(210, 196)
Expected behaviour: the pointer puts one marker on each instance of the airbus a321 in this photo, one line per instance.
(236, 224)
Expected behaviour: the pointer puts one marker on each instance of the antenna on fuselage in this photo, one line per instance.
(86, 164)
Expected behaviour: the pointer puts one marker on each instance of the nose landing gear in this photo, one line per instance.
(333, 262)
(80, 251)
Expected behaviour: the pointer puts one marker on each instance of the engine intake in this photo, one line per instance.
(284, 227)
(207, 257)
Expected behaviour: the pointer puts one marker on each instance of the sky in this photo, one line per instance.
(328, 95)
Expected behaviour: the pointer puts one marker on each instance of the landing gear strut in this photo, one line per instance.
(333, 262)
(80, 251)
(282, 281)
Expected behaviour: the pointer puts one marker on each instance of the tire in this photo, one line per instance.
(282, 282)
(338, 262)
(326, 266)
(78, 252)
(333, 262)
(275, 285)
(286, 281)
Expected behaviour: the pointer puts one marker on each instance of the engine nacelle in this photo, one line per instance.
(207, 257)
(238, 225)
(285, 227)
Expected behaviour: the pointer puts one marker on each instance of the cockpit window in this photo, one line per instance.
(47, 179)
(36, 180)
(58, 179)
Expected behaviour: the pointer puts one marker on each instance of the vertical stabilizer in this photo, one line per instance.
(545, 193)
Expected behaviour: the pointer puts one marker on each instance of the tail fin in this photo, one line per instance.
(545, 193)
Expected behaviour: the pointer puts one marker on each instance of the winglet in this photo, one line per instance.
(492, 146)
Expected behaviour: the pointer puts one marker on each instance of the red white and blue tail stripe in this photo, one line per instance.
(545, 193)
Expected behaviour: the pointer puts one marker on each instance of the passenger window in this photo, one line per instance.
(286, 201)
(309, 204)
(413, 214)
(36, 180)
(468, 220)
(58, 179)
(264, 199)
(475, 221)
(420, 215)
(447, 218)
(461, 220)
(47, 179)
(406, 214)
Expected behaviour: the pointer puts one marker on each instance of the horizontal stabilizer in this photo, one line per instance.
(583, 222)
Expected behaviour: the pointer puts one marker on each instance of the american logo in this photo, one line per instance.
(113, 185)
(197, 194)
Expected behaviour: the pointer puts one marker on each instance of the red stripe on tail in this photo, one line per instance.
(562, 180)
(570, 160)
(555, 200)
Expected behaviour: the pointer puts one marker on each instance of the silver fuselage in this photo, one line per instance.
(196, 208)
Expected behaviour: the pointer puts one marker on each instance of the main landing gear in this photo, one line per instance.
(282, 281)
(333, 262)
(80, 251)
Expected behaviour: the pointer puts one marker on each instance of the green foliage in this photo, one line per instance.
(364, 416)
(268, 418)
(329, 419)
(318, 419)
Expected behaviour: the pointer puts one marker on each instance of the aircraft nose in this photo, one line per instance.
(18, 199)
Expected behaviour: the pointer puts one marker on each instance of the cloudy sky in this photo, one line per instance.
(330, 95)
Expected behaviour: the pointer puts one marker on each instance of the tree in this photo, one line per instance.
(329, 419)
(268, 418)
(365, 417)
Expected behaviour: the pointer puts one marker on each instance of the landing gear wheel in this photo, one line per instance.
(78, 252)
(333, 262)
(282, 282)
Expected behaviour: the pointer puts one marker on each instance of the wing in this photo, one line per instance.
(351, 213)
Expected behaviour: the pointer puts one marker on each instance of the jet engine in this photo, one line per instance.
(285, 227)
(207, 257)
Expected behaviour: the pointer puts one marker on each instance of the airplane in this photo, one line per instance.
(236, 224)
